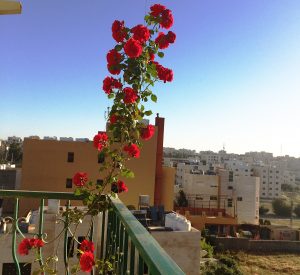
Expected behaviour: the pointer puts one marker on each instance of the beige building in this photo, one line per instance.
(241, 195)
(271, 178)
(49, 165)
(237, 195)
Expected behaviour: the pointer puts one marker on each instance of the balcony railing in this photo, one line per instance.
(134, 250)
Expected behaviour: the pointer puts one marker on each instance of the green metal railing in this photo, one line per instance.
(133, 248)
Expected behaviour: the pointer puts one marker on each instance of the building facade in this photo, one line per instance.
(49, 165)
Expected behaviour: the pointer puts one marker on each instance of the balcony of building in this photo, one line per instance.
(116, 233)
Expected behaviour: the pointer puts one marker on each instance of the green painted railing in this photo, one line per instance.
(133, 248)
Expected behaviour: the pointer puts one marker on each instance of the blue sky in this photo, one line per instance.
(236, 66)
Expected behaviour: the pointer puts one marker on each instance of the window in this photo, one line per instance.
(276, 194)
(277, 172)
(70, 157)
(213, 198)
(271, 171)
(276, 182)
(270, 188)
(230, 187)
(264, 177)
(10, 269)
(276, 188)
(101, 158)
(229, 203)
(230, 176)
(69, 183)
(99, 182)
(264, 188)
(263, 194)
(246, 170)
(264, 182)
(239, 198)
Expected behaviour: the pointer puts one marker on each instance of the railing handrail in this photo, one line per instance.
(156, 258)
(39, 194)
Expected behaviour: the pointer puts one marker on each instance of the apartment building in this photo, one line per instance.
(241, 195)
(49, 165)
(237, 194)
(271, 180)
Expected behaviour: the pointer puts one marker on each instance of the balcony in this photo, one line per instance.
(116, 232)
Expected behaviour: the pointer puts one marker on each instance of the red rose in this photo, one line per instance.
(162, 41)
(163, 73)
(87, 246)
(109, 83)
(132, 150)
(113, 119)
(130, 95)
(151, 56)
(80, 179)
(140, 33)
(157, 9)
(113, 57)
(148, 132)
(26, 244)
(119, 187)
(122, 186)
(113, 69)
(87, 261)
(100, 141)
(133, 48)
(167, 19)
(24, 247)
(118, 31)
(37, 243)
(171, 36)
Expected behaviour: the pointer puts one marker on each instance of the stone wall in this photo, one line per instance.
(245, 244)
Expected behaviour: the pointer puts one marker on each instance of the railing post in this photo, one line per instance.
(125, 256)
(14, 237)
(66, 252)
(41, 229)
(132, 257)
(102, 235)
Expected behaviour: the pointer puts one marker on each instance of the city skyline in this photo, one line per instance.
(235, 72)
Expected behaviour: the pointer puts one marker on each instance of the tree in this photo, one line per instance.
(263, 210)
(297, 210)
(287, 187)
(281, 208)
(181, 200)
(15, 153)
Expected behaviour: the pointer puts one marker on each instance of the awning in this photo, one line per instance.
(10, 7)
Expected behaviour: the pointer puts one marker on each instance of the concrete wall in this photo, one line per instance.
(183, 248)
(168, 179)
(257, 245)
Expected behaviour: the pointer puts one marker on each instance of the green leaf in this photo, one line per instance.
(111, 95)
(127, 173)
(154, 98)
(161, 54)
(77, 192)
(118, 47)
(148, 113)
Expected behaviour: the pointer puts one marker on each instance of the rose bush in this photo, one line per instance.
(132, 62)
